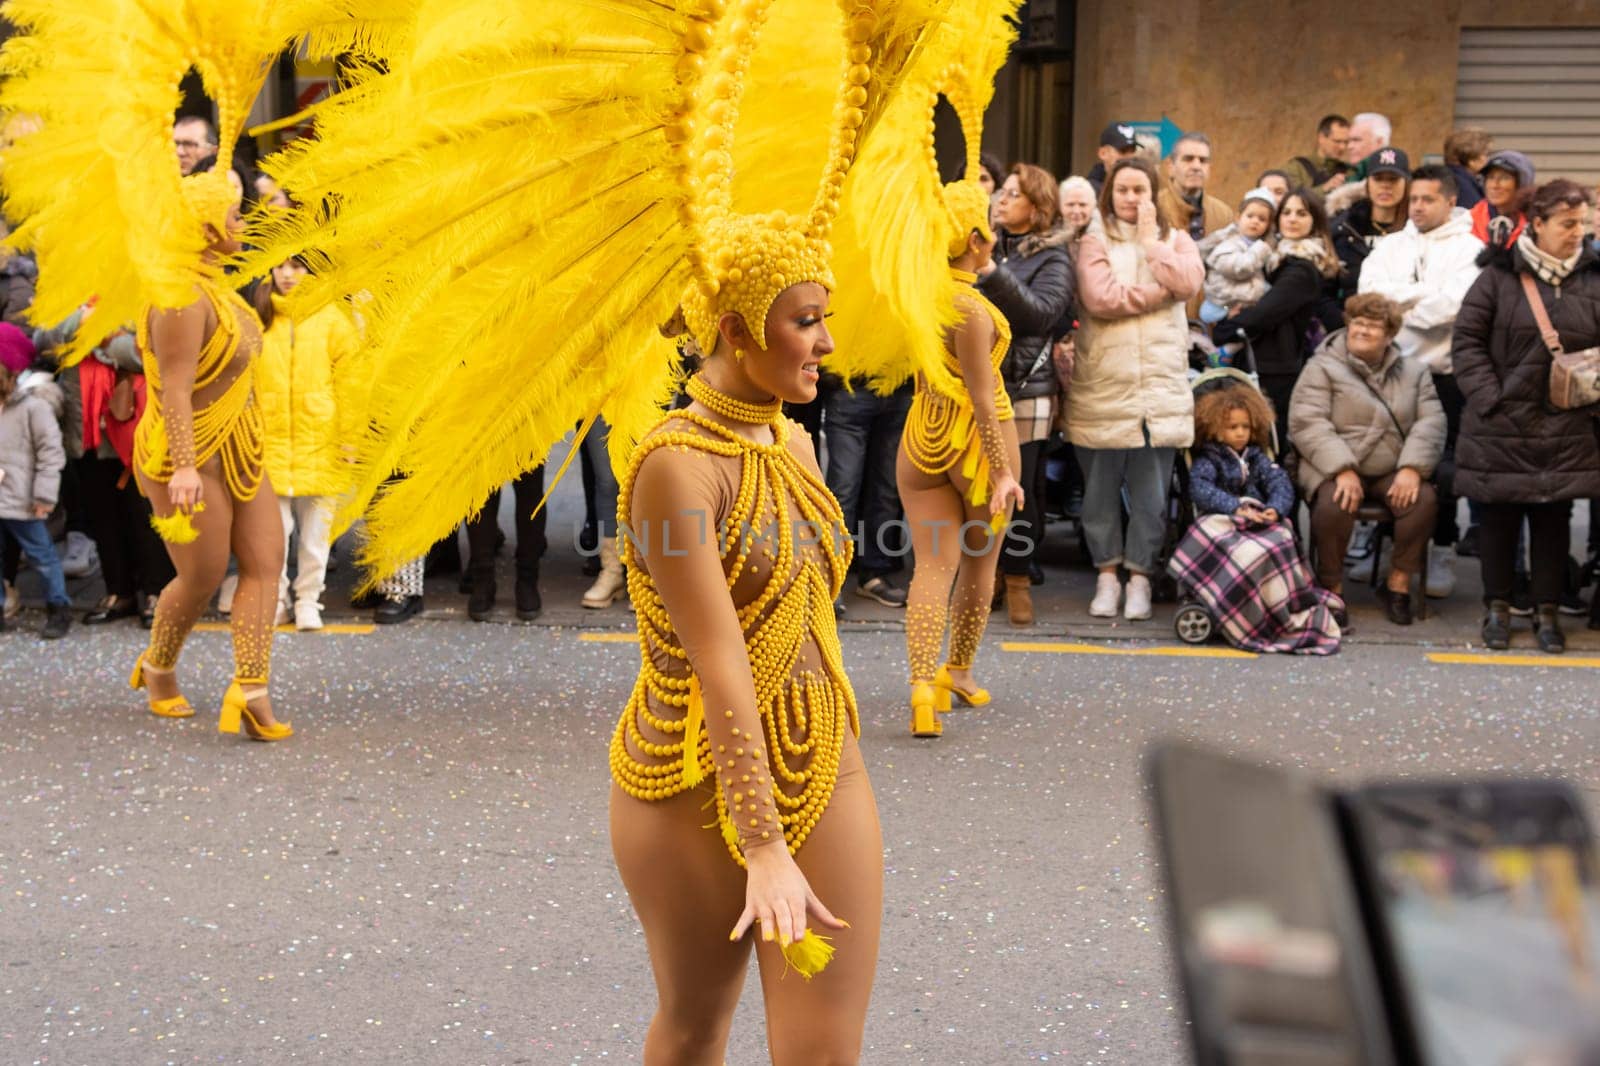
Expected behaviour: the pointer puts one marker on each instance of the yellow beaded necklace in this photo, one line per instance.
(708, 396)
(804, 717)
(939, 428)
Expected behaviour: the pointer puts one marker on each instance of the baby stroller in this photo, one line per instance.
(1194, 623)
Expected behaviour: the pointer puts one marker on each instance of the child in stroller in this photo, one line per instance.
(1238, 565)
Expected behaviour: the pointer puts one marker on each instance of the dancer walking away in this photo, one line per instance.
(959, 460)
(198, 457)
(198, 448)
(957, 475)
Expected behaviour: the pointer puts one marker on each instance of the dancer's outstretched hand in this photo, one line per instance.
(777, 895)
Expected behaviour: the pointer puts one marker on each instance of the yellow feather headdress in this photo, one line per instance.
(94, 180)
(900, 226)
(534, 189)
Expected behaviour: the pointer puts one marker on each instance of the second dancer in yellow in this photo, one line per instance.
(957, 476)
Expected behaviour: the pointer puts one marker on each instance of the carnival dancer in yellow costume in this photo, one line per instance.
(104, 205)
(958, 457)
(956, 472)
(516, 290)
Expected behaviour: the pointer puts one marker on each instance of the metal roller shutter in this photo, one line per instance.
(1537, 91)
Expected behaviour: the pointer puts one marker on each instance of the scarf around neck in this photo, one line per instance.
(1546, 267)
(1311, 249)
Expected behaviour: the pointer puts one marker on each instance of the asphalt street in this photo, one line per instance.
(423, 875)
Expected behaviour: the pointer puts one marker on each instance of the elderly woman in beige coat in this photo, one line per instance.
(1129, 408)
(1367, 423)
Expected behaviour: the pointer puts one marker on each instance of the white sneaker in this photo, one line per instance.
(1138, 605)
(1441, 578)
(307, 616)
(230, 585)
(281, 616)
(1107, 597)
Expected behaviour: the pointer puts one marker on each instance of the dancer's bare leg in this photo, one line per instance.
(200, 565)
(822, 1020)
(934, 511)
(258, 544)
(974, 588)
(688, 894)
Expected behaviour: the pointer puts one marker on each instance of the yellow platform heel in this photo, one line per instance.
(925, 699)
(978, 697)
(175, 707)
(236, 713)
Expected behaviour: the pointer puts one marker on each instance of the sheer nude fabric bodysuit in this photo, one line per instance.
(747, 543)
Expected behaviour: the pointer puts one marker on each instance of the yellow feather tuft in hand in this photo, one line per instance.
(177, 527)
(809, 955)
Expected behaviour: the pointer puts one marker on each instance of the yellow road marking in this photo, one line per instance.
(609, 638)
(1176, 652)
(340, 629)
(1491, 659)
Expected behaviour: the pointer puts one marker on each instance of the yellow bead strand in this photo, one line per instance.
(804, 717)
(720, 403)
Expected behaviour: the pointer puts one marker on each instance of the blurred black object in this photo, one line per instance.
(1430, 924)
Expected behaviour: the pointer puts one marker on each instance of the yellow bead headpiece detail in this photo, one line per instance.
(968, 206)
(969, 86)
(209, 197)
(742, 263)
(901, 224)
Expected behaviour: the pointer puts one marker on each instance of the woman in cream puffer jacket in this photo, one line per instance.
(1130, 409)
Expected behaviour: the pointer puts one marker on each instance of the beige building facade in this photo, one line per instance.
(1256, 76)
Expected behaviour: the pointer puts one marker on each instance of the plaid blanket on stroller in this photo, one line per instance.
(1254, 582)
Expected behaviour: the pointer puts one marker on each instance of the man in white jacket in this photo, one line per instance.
(1429, 266)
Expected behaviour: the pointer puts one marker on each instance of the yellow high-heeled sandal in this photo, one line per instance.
(236, 713)
(978, 697)
(173, 707)
(925, 699)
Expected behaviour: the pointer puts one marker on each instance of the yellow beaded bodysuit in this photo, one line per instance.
(941, 429)
(785, 554)
(228, 423)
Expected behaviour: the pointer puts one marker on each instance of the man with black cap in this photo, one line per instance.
(1116, 142)
(1380, 212)
(1427, 268)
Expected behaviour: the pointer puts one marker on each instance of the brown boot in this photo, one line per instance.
(1019, 600)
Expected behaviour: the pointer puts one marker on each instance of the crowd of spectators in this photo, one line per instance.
(1377, 305)
(1374, 303)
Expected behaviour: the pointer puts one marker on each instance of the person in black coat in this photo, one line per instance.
(1277, 325)
(1031, 281)
(1521, 458)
